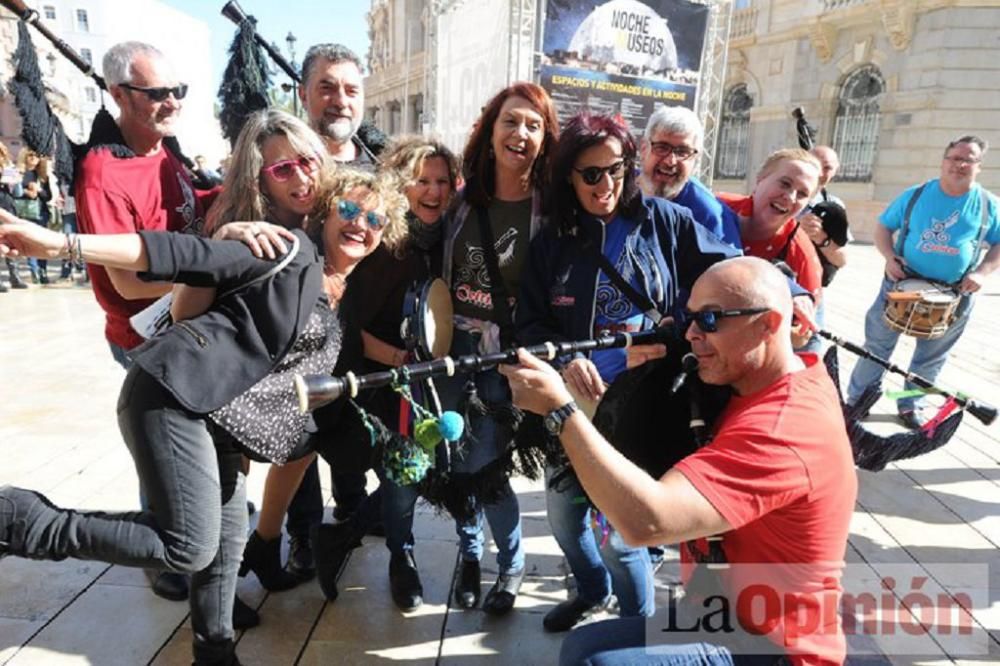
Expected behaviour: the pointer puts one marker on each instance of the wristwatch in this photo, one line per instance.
(827, 242)
(556, 419)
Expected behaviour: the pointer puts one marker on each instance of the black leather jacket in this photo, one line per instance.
(210, 359)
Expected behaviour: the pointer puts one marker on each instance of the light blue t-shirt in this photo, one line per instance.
(941, 238)
(614, 312)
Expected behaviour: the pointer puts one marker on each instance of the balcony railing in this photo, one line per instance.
(834, 5)
(744, 23)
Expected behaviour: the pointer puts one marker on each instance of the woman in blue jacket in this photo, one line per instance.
(653, 245)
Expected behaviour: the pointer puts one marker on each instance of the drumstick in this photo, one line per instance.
(904, 296)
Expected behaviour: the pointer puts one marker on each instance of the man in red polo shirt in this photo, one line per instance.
(777, 482)
(129, 181)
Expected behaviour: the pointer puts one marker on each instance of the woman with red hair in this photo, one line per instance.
(486, 243)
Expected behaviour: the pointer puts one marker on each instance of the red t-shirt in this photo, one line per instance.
(781, 472)
(120, 196)
(801, 256)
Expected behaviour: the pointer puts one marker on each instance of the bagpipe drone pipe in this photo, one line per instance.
(655, 414)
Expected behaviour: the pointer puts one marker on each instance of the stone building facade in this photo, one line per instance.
(434, 63)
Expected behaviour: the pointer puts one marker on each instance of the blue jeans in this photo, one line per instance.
(481, 446)
(504, 517)
(198, 523)
(598, 569)
(33, 263)
(624, 642)
(928, 358)
(397, 515)
(120, 354)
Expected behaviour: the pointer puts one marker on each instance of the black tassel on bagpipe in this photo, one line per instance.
(246, 81)
(41, 129)
(525, 453)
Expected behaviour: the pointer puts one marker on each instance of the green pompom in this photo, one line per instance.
(427, 434)
(406, 464)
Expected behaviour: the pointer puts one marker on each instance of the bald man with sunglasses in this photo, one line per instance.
(776, 483)
(128, 182)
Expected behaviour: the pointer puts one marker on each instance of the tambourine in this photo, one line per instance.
(426, 328)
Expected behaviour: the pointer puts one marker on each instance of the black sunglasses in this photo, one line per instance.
(708, 320)
(593, 174)
(159, 94)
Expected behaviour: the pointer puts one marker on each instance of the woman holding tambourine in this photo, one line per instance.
(610, 259)
(396, 284)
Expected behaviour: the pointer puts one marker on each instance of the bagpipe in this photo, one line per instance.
(41, 129)
(660, 412)
(246, 82)
(832, 216)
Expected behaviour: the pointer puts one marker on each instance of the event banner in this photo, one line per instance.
(622, 56)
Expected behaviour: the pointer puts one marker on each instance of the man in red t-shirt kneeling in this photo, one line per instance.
(777, 482)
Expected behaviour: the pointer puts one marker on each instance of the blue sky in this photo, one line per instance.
(311, 21)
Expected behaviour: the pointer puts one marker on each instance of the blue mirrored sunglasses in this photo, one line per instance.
(708, 320)
(349, 211)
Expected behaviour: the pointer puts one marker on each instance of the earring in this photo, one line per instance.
(492, 155)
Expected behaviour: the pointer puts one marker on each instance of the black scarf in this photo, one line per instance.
(424, 236)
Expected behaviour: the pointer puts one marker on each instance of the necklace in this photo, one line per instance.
(334, 283)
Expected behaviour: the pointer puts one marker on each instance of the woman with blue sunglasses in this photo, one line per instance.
(614, 260)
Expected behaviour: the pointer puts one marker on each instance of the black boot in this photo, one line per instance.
(244, 617)
(500, 599)
(16, 507)
(301, 563)
(15, 278)
(404, 581)
(215, 653)
(467, 587)
(43, 275)
(168, 584)
(331, 545)
(264, 559)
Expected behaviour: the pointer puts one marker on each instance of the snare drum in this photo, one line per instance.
(426, 328)
(920, 308)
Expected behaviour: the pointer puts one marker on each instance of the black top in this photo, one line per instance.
(383, 279)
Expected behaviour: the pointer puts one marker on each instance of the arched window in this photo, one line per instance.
(734, 134)
(855, 132)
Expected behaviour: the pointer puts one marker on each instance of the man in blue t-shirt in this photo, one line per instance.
(948, 218)
(670, 143)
